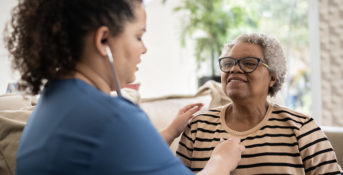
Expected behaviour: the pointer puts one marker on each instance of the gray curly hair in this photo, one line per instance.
(273, 55)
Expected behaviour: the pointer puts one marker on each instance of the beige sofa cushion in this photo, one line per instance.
(12, 123)
(16, 101)
(14, 111)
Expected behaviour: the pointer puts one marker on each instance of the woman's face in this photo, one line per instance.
(128, 47)
(239, 85)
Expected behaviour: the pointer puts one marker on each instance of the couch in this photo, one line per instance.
(15, 110)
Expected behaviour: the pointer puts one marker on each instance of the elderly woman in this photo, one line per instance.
(278, 140)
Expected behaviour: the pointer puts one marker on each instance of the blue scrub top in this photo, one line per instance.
(76, 129)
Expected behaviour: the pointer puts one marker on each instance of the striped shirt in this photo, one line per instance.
(284, 142)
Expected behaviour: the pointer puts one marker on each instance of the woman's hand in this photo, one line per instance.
(224, 158)
(180, 122)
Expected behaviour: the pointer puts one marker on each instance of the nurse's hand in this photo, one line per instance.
(180, 122)
(224, 158)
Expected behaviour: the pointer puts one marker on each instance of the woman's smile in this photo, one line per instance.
(236, 81)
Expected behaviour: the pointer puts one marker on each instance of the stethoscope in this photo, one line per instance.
(110, 57)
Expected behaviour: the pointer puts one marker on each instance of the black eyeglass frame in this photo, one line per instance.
(237, 61)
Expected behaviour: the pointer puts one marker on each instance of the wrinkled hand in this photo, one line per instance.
(224, 158)
(180, 122)
(228, 152)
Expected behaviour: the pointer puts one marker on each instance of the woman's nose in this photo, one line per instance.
(145, 50)
(236, 68)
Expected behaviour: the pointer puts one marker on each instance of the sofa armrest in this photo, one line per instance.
(335, 135)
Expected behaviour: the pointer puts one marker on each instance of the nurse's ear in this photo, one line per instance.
(101, 38)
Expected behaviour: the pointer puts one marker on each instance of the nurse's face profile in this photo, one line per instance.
(126, 47)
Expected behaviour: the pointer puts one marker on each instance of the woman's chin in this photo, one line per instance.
(131, 80)
(236, 94)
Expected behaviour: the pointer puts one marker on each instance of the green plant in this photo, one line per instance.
(215, 21)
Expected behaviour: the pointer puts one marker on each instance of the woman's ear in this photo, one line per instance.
(272, 81)
(101, 38)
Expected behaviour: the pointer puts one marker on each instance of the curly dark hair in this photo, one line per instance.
(47, 36)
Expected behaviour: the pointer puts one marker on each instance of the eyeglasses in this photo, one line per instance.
(247, 64)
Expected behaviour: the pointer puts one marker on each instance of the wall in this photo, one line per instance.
(331, 53)
(167, 68)
(5, 68)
